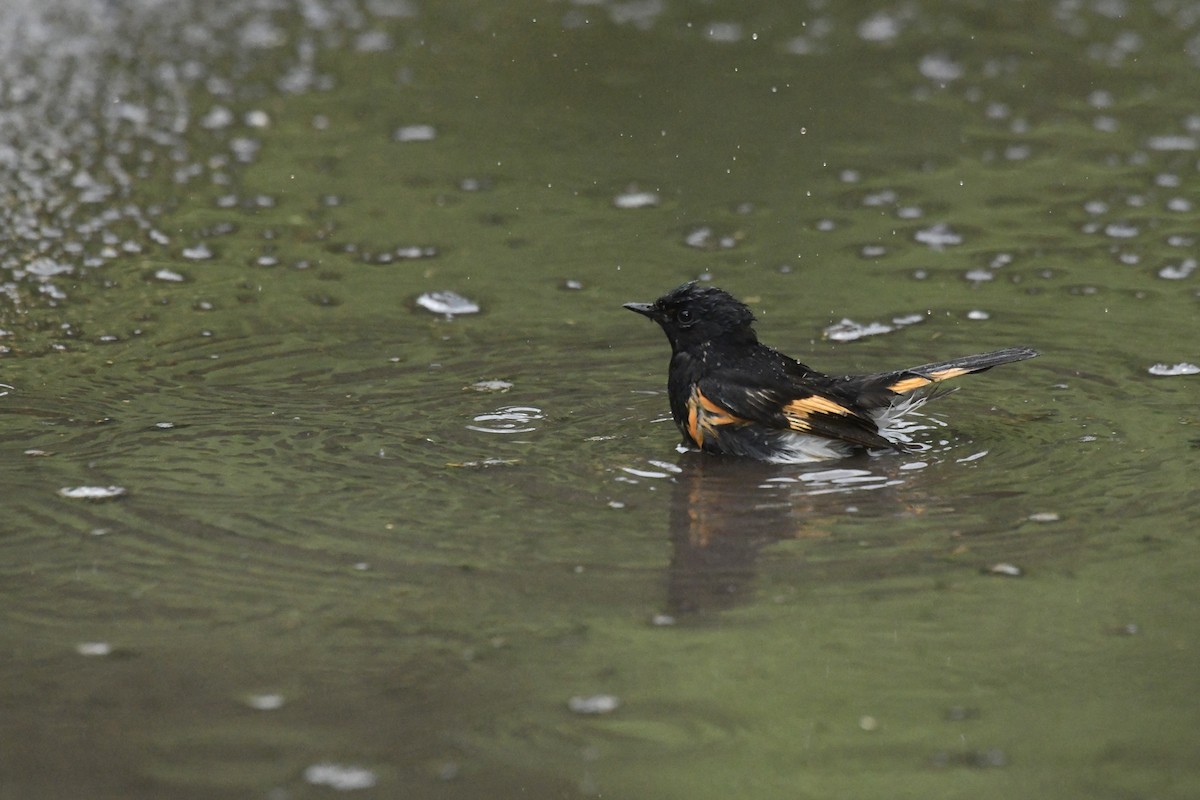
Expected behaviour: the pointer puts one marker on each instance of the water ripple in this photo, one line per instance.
(508, 419)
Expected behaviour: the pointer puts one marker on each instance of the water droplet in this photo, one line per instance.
(725, 32)
(1172, 370)
(217, 117)
(342, 777)
(879, 27)
(448, 303)
(415, 133)
(633, 198)
(92, 492)
(257, 118)
(705, 238)
(264, 702)
(373, 42)
(940, 67)
(1120, 230)
(199, 252)
(1177, 272)
(848, 330)
(415, 251)
(491, 386)
(938, 236)
(594, 704)
(884, 197)
(245, 149)
(1171, 143)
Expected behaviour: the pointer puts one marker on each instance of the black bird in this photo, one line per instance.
(732, 395)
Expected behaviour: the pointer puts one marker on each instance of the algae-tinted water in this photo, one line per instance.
(367, 545)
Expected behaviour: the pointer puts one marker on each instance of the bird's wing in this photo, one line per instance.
(739, 397)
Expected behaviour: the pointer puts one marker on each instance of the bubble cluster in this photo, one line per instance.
(98, 104)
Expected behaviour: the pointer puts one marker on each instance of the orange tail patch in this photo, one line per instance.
(916, 381)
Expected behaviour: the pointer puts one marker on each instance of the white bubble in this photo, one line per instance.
(342, 777)
(594, 704)
(448, 303)
(92, 492)
(1172, 370)
(415, 133)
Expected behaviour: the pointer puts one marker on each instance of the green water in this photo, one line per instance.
(319, 506)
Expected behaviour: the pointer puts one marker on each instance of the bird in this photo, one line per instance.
(732, 395)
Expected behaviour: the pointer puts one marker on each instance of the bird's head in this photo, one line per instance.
(692, 315)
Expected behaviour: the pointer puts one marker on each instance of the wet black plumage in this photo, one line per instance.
(731, 394)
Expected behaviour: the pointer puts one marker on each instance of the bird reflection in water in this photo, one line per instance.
(725, 510)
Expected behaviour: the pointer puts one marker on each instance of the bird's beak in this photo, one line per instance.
(645, 309)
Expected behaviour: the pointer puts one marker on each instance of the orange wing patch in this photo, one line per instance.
(705, 416)
(798, 411)
(693, 420)
(815, 404)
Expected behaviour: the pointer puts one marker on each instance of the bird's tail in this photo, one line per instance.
(882, 389)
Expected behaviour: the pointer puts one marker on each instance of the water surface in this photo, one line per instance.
(367, 545)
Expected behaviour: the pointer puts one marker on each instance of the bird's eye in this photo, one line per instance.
(684, 317)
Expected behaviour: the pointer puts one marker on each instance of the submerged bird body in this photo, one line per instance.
(732, 395)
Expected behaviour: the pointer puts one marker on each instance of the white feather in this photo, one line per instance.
(896, 423)
(804, 448)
